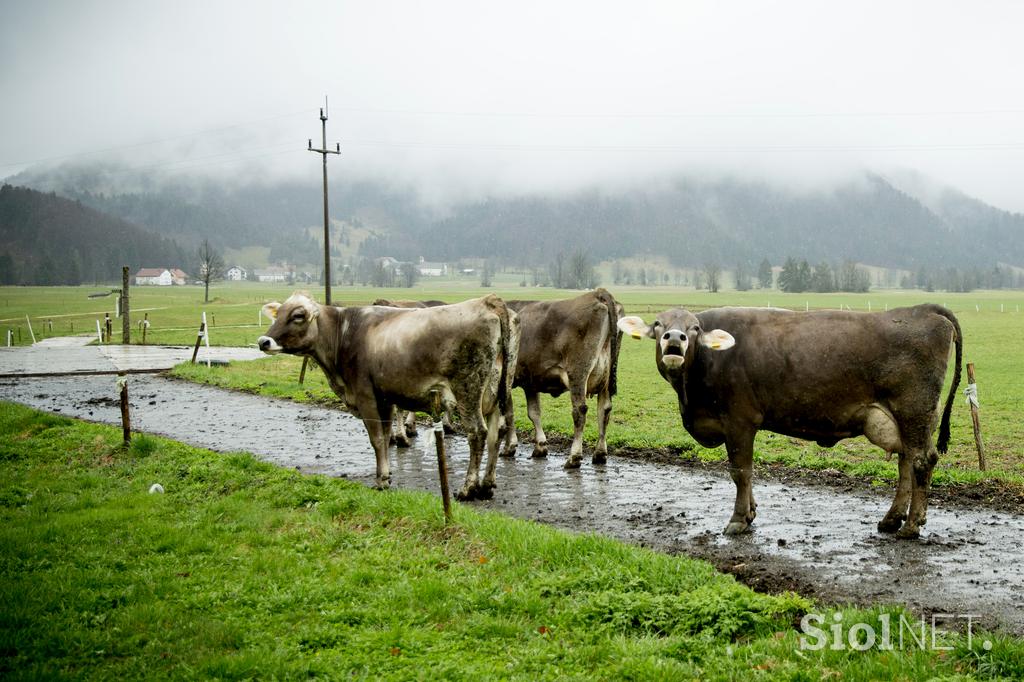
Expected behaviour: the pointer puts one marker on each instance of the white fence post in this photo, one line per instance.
(206, 340)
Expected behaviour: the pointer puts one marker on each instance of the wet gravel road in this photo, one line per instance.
(814, 539)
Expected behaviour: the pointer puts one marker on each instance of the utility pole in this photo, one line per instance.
(323, 152)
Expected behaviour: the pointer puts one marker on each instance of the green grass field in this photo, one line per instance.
(645, 414)
(243, 570)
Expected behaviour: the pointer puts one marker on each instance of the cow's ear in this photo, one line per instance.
(634, 326)
(717, 339)
(270, 309)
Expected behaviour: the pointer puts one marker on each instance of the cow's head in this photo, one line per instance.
(678, 333)
(294, 329)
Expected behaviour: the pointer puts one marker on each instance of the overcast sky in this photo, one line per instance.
(522, 96)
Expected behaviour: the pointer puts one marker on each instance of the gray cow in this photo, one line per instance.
(404, 424)
(377, 358)
(568, 345)
(821, 376)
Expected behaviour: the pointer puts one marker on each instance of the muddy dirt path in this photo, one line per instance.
(812, 539)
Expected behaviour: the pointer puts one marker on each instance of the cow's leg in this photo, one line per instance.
(897, 513)
(410, 423)
(540, 441)
(578, 395)
(379, 431)
(493, 427)
(740, 448)
(511, 438)
(476, 434)
(604, 414)
(446, 422)
(923, 463)
(398, 436)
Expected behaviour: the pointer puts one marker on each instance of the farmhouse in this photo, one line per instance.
(164, 277)
(236, 273)
(272, 274)
(429, 269)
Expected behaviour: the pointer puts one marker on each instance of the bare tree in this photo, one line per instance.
(210, 267)
(713, 272)
(582, 274)
(485, 273)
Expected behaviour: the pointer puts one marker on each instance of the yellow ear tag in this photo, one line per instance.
(716, 344)
(637, 335)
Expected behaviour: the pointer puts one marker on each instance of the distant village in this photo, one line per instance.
(282, 274)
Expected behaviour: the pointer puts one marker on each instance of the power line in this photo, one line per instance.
(686, 115)
(995, 146)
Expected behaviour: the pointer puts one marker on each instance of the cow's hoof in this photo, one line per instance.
(508, 452)
(572, 463)
(539, 452)
(411, 432)
(449, 429)
(466, 494)
(485, 492)
(890, 524)
(599, 458)
(908, 532)
(403, 443)
(382, 484)
(737, 528)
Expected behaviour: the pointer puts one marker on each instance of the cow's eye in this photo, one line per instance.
(298, 319)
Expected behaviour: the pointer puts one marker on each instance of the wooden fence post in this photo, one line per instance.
(126, 420)
(442, 461)
(972, 399)
(199, 338)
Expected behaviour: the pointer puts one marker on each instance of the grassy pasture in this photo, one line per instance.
(645, 415)
(243, 570)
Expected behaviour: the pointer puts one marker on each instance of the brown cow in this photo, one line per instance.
(568, 345)
(821, 376)
(377, 358)
(404, 424)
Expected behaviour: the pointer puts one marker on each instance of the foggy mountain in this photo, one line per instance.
(47, 239)
(897, 223)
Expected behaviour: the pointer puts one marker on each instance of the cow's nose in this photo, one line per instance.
(673, 336)
(264, 342)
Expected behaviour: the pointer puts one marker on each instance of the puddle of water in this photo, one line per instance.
(968, 561)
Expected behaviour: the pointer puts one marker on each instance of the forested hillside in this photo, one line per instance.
(726, 222)
(47, 239)
(692, 221)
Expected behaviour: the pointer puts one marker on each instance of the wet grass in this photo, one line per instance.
(244, 570)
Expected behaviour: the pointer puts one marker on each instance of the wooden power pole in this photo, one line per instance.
(323, 152)
(126, 325)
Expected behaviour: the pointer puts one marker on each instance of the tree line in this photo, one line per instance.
(49, 240)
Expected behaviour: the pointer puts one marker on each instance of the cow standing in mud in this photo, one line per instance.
(404, 423)
(377, 358)
(569, 345)
(821, 376)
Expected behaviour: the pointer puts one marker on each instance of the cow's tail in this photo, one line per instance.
(943, 442)
(609, 301)
(509, 351)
